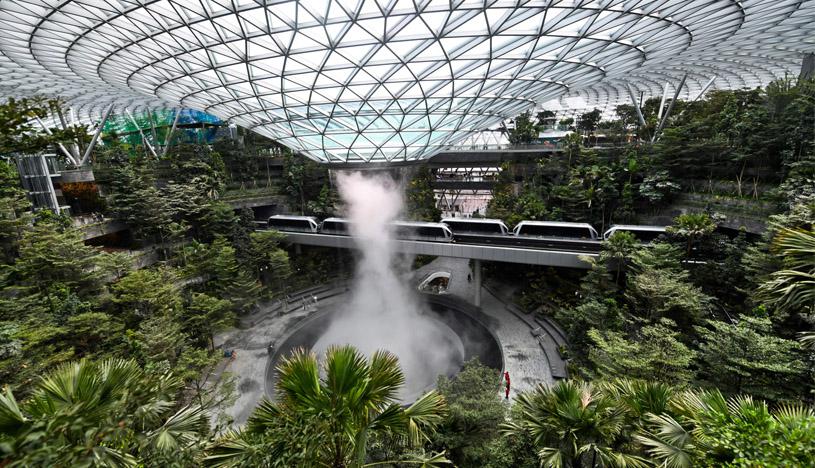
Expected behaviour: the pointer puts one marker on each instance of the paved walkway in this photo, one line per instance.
(523, 356)
(249, 367)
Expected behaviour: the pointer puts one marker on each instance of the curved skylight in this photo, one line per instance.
(360, 81)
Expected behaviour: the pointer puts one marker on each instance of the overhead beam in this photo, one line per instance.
(96, 134)
(670, 108)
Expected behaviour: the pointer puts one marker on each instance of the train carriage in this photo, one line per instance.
(555, 229)
(476, 226)
(413, 230)
(336, 227)
(293, 223)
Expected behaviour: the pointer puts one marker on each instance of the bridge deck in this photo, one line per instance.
(493, 253)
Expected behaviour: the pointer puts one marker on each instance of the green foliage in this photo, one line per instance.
(303, 180)
(268, 260)
(524, 130)
(159, 340)
(228, 280)
(748, 357)
(109, 413)
(617, 249)
(692, 227)
(588, 121)
(705, 429)
(792, 289)
(205, 315)
(571, 424)
(326, 419)
(420, 200)
(20, 133)
(475, 410)
(655, 352)
(14, 216)
(656, 295)
(146, 293)
(50, 257)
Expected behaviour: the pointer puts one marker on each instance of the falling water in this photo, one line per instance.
(384, 311)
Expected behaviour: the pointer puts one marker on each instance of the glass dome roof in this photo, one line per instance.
(396, 80)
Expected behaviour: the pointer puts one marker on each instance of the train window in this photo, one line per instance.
(335, 226)
(480, 228)
(289, 223)
(646, 236)
(428, 232)
(554, 231)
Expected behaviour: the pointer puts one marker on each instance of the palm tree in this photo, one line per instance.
(692, 226)
(704, 428)
(572, 424)
(618, 248)
(107, 413)
(326, 419)
(792, 288)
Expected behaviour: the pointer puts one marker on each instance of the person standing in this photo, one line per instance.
(506, 384)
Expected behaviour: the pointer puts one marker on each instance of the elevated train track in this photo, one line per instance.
(564, 253)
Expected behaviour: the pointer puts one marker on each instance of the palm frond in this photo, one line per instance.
(347, 373)
(667, 441)
(299, 378)
(551, 457)
(265, 415)
(386, 377)
(232, 450)
(425, 414)
(179, 430)
(12, 419)
(792, 415)
(609, 457)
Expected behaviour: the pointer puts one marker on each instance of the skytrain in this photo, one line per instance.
(547, 234)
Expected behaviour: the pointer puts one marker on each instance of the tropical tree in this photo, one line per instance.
(572, 424)
(326, 418)
(588, 121)
(749, 357)
(792, 288)
(692, 226)
(707, 429)
(617, 249)
(475, 409)
(108, 413)
(14, 216)
(654, 352)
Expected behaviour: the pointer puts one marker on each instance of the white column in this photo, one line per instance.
(477, 281)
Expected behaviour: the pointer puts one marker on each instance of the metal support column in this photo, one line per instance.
(662, 103)
(704, 90)
(141, 133)
(170, 135)
(477, 282)
(62, 147)
(670, 108)
(636, 105)
(96, 134)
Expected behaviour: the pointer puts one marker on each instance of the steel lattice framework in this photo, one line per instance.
(385, 80)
